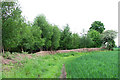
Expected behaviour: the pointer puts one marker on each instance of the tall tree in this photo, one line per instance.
(108, 37)
(7, 9)
(55, 37)
(11, 25)
(96, 37)
(98, 26)
(75, 40)
(36, 34)
(27, 40)
(85, 42)
(66, 40)
(47, 30)
(48, 36)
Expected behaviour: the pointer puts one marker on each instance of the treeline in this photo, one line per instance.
(19, 35)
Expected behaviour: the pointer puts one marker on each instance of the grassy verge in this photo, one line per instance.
(94, 65)
(48, 66)
(78, 65)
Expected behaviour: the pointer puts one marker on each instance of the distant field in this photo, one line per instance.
(94, 65)
(78, 65)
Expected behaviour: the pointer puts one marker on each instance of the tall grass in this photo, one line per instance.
(78, 65)
(94, 65)
(48, 66)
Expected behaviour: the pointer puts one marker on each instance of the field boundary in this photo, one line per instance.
(43, 53)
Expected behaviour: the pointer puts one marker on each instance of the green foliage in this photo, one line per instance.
(48, 36)
(108, 38)
(26, 38)
(46, 28)
(108, 35)
(98, 26)
(85, 42)
(24, 52)
(8, 9)
(19, 35)
(11, 25)
(96, 38)
(66, 40)
(36, 34)
(110, 45)
(116, 49)
(75, 41)
(55, 37)
(8, 55)
(10, 40)
(48, 66)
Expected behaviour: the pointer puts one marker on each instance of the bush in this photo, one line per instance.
(24, 52)
(110, 45)
(7, 55)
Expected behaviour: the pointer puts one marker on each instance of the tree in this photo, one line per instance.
(48, 36)
(11, 25)
(75, 41)
(96, 38)
(108, 37)
(110, 45)
(55, 37)
(46, 28)
(36, 34)
(85, 42)
(10, 34)
(66, 40)
(98, 26)
(7, 9)
(27, 40)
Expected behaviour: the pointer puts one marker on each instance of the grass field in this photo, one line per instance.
(94, 65)
(48, 66)
(78, 65)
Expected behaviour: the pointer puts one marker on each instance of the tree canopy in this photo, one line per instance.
(96, 37)
(108, 37)
(98, 26)
(21, 35)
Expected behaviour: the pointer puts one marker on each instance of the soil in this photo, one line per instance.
(64, 73)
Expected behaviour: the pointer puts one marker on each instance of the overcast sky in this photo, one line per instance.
(79, 14)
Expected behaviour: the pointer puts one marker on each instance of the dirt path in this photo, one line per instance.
(42, 53)
(63, 74)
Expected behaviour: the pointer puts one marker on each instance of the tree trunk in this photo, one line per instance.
(22, 49)
(41, 49)
(51, 49)
(3, 50)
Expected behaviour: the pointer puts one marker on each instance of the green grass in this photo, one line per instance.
(48, 66)
(116, 49)
(78, 65)
(94, 65)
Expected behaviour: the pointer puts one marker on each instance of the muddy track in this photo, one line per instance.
(64, 73)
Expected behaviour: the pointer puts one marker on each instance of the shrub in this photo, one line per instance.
(7, 55)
